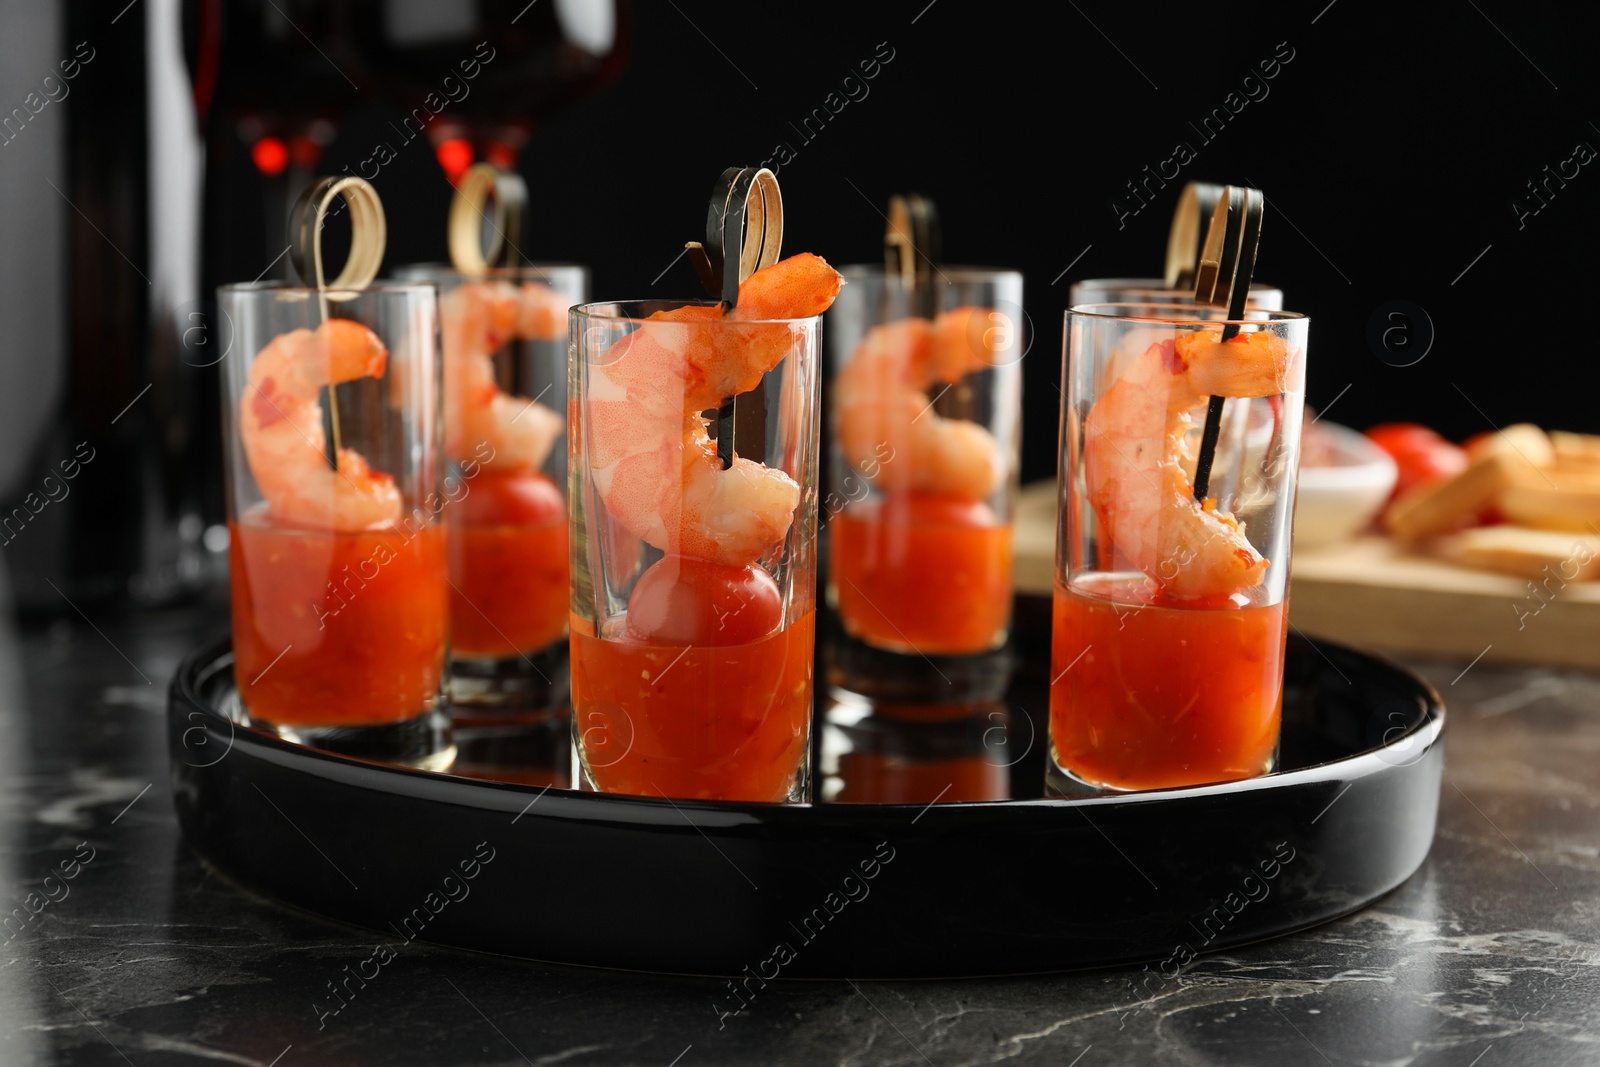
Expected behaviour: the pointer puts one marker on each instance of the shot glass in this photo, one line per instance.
(1155, 291)
(1170, 605)
(505, 360)
(694, 583)
(338, 557)
(924, 422)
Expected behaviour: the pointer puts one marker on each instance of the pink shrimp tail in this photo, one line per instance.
(352, 351)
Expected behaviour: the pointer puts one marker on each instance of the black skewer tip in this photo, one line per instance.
(725, 420)
(1208, 447)
(1223, 279)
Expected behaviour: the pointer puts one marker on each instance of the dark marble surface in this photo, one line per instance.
(1487, 956)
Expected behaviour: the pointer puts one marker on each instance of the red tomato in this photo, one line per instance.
(1401, 434)
(1422, 455)
(512, 498)
(686, 601)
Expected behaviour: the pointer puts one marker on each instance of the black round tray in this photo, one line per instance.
(760, 891)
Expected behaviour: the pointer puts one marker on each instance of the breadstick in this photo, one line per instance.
(1524, 553)
(1498, 463)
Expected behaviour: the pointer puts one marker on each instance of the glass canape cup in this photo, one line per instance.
(338, 568)
(924, 422)
(505, 359)
(1155, 291)
(1170, 613)
(694, 585)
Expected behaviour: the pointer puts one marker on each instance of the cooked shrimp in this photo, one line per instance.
(280, 423)
(477, 319)
(1137, 461)
(881, 398)
(654, 464)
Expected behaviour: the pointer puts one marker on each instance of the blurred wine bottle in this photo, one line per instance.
(100, 461)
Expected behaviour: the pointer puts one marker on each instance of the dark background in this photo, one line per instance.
(1391, 146)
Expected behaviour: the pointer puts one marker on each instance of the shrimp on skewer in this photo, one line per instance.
(478, 319)
(881, 398)
(652, 460)
(1137, 462)
(280, 423)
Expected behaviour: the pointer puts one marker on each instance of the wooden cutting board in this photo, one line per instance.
(1368, 594)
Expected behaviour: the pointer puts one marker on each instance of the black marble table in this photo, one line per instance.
(121, 947)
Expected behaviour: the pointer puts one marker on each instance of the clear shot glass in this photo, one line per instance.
(693, 550)
(338, 556)
(1170, 605)
(924, 421)
(505, 373)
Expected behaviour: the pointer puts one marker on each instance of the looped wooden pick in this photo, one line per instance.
(911, 249)
(368, 237)
(744, 224)
(913, 243)
(1186, 240)
(744, 227)
(1222, 280)
(483, 184)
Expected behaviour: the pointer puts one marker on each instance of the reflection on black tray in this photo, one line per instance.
(528, 753)
(896, 753)
(896, 728)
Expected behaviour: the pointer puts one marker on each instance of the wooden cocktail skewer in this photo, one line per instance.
(744, 227)
(482, 183)
(1222, 279)
(368, 236)
(1186, 239)
(911, 249)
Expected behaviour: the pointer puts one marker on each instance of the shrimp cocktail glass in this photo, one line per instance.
(694, 574)
(1171, 605)
(505, 395)
(338, 556)
(925, 416)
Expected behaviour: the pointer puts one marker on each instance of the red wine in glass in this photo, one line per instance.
(274, 75)
(478, 76)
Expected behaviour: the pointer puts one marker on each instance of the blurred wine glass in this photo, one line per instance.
(479, 76)
(275, 74)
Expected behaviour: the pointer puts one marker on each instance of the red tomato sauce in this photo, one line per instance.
(709, 722)
(508, 566)
(1149, 695)
(923, 573)
(337, 628)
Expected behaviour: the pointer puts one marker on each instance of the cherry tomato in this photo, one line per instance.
(1402, 434)
(686, 601)
(511, 498)
(1422, 455)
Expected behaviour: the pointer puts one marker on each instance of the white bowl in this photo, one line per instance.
(1335, 503)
